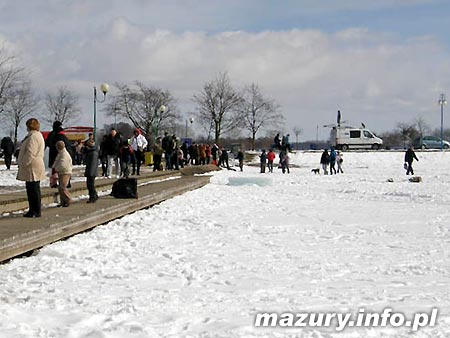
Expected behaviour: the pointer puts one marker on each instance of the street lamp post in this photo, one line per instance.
(156, 117)
(442, 101)
(104, 87)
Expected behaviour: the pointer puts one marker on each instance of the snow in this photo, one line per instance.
(204, 263)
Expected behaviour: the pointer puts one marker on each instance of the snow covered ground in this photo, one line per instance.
(204, 263)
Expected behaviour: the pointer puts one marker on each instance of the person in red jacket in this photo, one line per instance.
(270, 157)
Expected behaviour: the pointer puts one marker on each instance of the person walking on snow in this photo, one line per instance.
(324, 161)
(263, 158)
(270, 158)
(332, 161)
(284, 159)
(339, 161)
(240, 157)
(410, 156)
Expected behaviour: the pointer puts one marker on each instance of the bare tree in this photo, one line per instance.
(61, 106)
(408, 132)
(422, 126)
(259, 111)
(218, 105)
(21, 103)
(10, 74)
(141, 105)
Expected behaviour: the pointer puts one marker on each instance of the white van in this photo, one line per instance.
(346, 138)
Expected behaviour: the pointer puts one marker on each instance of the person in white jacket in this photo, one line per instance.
(138, 144)
(31, 166)
(63, 166)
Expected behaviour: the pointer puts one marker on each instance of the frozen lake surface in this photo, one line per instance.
(204, 263)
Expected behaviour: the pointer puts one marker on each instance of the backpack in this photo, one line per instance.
(125, 188)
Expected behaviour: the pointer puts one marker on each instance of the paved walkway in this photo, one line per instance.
(16, 199)
(19, 235)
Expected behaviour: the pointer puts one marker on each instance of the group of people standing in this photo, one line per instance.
(118, 153)
(31, 166)
(267, 159)
(331, 160)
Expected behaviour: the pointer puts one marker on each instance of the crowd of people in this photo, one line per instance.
(123, 154)
(118, 156)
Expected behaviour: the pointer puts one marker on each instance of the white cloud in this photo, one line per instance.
(376, 78)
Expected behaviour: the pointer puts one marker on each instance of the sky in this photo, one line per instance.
(379, 62)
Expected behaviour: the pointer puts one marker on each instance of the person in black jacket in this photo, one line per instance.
(103, 156)
(214, 153)
(57, 134)
(410, 156)
(263, 159)
(224, 159)
(111, 147)
(8, 150)
(91, 159)
(240, 157)
(325, 161)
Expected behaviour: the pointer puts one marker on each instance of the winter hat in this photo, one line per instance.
(57, 125)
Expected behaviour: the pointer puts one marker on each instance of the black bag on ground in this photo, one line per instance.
(125, 188)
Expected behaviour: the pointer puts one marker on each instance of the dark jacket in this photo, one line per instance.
(410, 156)
(240, 156)
(112, 144)
(7, 145)
(91, 159)
(325, 158)
(263, 157)
(214, 151)
(125, 153)
(57, 134)
(167, 144)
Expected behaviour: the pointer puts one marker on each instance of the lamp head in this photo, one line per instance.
(191, 120)
(162, 109)
(104, 87)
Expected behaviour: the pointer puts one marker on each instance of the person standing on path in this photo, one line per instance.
(139, 145)
(112, 146)
(32, 167)
(91, 160)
